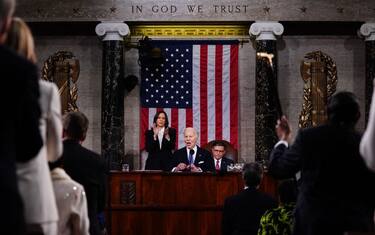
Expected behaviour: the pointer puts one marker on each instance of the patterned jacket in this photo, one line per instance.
(278, 221)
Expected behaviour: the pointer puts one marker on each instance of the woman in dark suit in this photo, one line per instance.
(160, 142)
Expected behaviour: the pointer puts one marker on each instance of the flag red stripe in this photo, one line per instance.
(203, 94)
(144, 125)
(174, 123)
(234, 96)
(218, 92)
(189, 117)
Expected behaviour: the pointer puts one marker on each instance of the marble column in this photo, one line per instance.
(267, 104)
(112, 133)
(368, 31)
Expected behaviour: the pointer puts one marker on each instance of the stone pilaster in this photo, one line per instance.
(368, 31)
(267, 104)
(112, 136)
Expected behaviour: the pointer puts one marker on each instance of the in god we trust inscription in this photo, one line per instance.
(190, 9)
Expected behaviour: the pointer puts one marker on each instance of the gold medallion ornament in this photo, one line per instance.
(320, 77)
(62, 68)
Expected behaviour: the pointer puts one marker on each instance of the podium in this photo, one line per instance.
(149, 202)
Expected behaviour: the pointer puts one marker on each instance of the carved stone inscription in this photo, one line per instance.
(190, 9)
(196, 10)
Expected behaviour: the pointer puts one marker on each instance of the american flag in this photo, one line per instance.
(196, 84)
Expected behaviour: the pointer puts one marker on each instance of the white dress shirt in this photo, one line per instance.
(282, 142)
(160, 136)
(216, 160)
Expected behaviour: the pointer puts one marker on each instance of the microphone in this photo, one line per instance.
(191, 152)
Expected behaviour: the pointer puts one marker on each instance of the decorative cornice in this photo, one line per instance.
(266, 30)
(368, 31)
(190, 30)
(112, 31)
(198, 11)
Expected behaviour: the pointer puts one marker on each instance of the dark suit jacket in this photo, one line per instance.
(20, 139)
(242, 212)
(223, 167)
(201, 159)
(159, 158)
(335, 192)
(88, 169)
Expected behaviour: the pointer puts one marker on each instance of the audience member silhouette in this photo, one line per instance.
(40, 206)
(20, 139)
(84, 166)
(335, 192)
(242, 212)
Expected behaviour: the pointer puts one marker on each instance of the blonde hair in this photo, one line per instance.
(21, 39)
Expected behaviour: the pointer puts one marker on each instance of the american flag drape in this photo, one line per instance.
(196, 84)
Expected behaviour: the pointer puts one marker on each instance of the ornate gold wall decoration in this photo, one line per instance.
(62, 68)
(190, 30)
(320, 77)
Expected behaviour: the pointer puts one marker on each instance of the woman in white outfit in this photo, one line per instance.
(34, 178)
(367, 146)
(71, 202)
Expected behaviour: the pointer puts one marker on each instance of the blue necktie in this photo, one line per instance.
(190, 159)
(191, 153)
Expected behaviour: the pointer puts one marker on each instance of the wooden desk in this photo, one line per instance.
(169, 203)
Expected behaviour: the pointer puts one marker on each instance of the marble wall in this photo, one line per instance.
(348, 52)
(88, 49)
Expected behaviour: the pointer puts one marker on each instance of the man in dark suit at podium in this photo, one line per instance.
(191, 158)
(218, 163)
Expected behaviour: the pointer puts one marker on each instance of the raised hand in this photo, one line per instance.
(283, 128)
(166, 133)
(156, 130)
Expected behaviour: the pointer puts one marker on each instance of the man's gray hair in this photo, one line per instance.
(6, 8)
(195, 130)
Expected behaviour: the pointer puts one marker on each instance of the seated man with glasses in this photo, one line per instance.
(218, 163)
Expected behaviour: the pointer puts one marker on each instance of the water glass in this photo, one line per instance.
(125, 167)
(230, 167)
